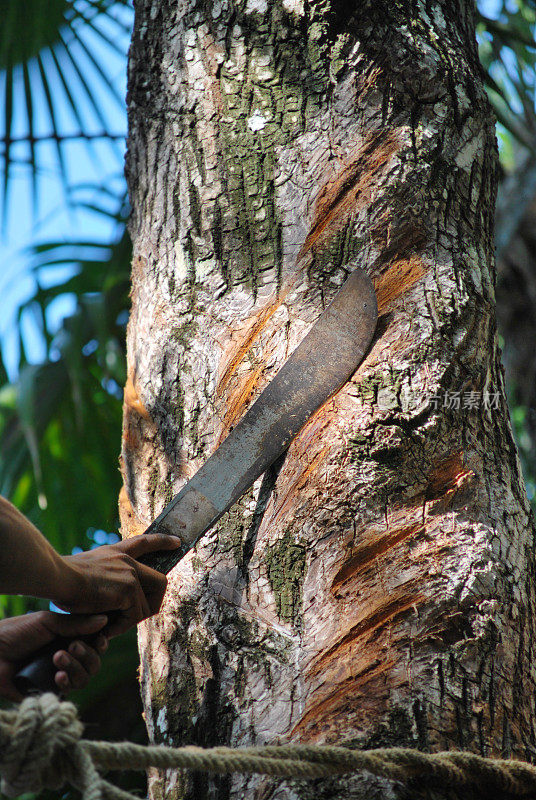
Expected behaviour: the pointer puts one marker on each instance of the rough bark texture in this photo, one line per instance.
(377, 587)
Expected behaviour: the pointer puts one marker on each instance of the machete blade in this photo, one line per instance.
(319, 366)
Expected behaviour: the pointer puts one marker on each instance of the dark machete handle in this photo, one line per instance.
(38, 672)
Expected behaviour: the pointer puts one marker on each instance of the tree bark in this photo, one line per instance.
(376, 587)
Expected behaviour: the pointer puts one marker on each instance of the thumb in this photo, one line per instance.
(22, 636)
(137, 546)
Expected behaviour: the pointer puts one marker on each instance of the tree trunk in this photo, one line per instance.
(377, 586)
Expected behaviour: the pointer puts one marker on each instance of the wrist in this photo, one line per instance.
(67, 582)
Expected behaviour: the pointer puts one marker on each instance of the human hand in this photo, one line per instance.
(110, 579)
(22, 636)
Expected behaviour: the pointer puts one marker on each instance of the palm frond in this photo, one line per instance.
(31, 132)
(50, 51)
(65, 52)
(74, 388)
(52, 112)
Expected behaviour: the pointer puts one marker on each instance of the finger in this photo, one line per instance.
(148, 542)
(147, 593)
(101, 644)
(120, 624)
(155, 598)
(129, 617)
(76, 674)
(87, 656)
(140, 607)
(153, 584)
(149, 578)
(62, 682)
(61, 661)
(75, 624)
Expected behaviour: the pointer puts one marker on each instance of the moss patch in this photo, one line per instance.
(182, 334)
(233, 528)
(285, 562)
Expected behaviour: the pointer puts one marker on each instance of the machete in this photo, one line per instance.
(319, 366)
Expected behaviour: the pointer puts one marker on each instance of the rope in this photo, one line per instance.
(41, 747)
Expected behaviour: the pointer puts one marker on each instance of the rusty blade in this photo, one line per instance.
(317, 368)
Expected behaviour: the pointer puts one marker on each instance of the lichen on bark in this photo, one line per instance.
(285, 563)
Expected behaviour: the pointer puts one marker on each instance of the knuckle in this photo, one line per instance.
(76, 670)
(77, 649)
(132, 566)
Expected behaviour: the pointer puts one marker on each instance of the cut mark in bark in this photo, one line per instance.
(238, 400)
(131, 433)
(384, 614)
(363, 557)
(396, 234)
(369, 81)
(400, 276)
(132, 400)
(451, 627)
(131, 525)
(254, 327)
(351, 189)
(337, 201)
(447, 476)
(295, 485)
(365, 692)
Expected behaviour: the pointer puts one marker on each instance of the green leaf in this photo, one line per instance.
(30, 25)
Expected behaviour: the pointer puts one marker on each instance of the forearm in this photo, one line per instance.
(29, 564)
(102, 580)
